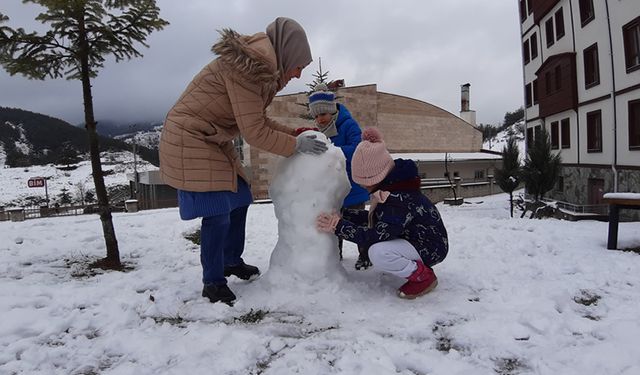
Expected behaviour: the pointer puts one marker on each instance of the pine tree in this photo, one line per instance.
(318, 77)
(68, 155)
(541, 166)
(81, 35)
(508, 177)
(64, 196)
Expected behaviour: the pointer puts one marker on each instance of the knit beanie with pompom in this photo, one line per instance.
(322, 101)
(371, 162)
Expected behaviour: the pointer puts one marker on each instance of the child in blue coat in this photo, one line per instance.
(403, 230)
(335, 121)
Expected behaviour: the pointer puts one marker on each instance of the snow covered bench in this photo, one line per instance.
(618, 201)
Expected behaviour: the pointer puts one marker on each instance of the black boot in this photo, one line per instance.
(243, 271)
(363, 262)
(219, 293)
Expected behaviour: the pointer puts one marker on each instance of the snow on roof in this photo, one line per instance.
(452, 156)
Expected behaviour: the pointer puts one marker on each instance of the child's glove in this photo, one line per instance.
(327, 222)
(302, 130)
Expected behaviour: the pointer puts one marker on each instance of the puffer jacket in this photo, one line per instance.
(348, 137)
(406, 213)
(227, 98)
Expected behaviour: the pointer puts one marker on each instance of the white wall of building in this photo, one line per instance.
(606, 156)
(569, 155)
(626, 156)
(595, 31)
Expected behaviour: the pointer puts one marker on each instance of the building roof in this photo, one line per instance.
(452, 156)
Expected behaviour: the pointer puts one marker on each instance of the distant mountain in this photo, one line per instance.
(28, 138)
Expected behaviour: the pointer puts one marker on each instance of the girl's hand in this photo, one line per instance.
(327, 222)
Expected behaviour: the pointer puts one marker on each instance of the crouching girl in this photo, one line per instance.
(402, 230)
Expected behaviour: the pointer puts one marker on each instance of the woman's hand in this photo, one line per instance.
(327, 222)
(308, 144)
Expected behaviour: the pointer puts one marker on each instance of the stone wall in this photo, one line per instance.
(480, 189)
(576, 186)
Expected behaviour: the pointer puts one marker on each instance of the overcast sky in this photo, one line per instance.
(415, 48)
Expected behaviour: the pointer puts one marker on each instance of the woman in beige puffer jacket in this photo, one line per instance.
(227, 99)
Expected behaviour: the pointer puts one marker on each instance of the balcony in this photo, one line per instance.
(557, 84)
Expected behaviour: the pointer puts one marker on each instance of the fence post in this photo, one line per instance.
(458, 181)
(131, 205)
(490, 177)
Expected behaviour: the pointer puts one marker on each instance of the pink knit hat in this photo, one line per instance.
(371, 162)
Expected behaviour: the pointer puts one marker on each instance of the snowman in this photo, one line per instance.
(303, 186)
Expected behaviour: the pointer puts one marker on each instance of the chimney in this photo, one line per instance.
(465, 97)
(465, 113)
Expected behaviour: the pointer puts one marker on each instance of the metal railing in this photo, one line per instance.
(584, 209)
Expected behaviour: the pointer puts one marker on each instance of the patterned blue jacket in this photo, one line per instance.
(406, 213)
(348, 137)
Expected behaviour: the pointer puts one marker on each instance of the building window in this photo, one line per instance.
(534, 45)
(549, 32)
(594, 131)
(535, 91)
(565, 131)
(529, 6)
(525, 52)
(555, 136)
(634, 125)
(559, 24)
(591, 67)
(527, 95)
(479, 175)
(523, 11)
(537, 131)
(553, 80)
(586, 11)
(631, 34)
(529, 138)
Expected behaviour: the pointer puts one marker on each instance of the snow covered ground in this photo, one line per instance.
(516, 296)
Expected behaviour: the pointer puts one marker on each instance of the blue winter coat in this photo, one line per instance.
(406, 214)
(348, 137)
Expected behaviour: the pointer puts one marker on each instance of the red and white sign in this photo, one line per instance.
(35, 182)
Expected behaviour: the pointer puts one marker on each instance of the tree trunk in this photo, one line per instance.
(112, 261)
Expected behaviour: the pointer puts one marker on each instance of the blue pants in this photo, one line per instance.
(221, 244)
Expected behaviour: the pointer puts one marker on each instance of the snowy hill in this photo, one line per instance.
(499, 141)
(13, 181)
(146, 138)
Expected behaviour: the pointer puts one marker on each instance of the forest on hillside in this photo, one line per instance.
(30, 138)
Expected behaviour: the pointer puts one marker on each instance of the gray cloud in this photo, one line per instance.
(421, 49)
